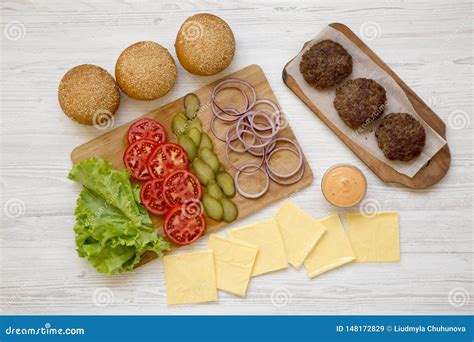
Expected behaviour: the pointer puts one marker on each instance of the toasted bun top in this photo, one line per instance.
(205, 44)
(145, 71)
(86, 91)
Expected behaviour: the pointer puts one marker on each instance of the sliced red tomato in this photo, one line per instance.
(165, 158)
(179, 187)
(183, 229)
(146, 129)
(135, 157)
(151, 196)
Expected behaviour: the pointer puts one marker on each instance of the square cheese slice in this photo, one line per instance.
(300, 232)
(190, 278)
(271, 251)
(375, 238)
(333, 250)
(234, 262)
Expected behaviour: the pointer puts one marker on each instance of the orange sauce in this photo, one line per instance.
(344, 185)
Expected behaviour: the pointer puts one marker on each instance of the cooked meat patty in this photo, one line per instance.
(325, 64)
(400, 136)
(359, 102)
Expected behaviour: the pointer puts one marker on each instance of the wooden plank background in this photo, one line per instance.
(427, 43)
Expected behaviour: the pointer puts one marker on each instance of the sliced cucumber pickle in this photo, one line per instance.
(210, 158)
(212, 207)
(182, 115)
(221, 167)
(206, 142)
(214, 190)
(191, 105)
(226, 182)
(188, 145)
(194, 123)
(203, 171)
(179, 124)
(230, 209)
(195, 136)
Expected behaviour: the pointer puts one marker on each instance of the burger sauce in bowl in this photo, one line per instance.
(344, 185)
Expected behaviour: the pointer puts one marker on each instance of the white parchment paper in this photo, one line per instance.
(397, 101)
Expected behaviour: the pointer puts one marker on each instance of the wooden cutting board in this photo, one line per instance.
(112, 144)
(435, 169)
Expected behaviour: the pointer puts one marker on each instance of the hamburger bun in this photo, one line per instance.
(87, 93)
(205, 44)
(145, 71)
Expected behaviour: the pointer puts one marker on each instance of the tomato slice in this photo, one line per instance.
(181, 186)
(146, 129)
(183, 229)
(165, 158)
(135, 157)
(151, 196)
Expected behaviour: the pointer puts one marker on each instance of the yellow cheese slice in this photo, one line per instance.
(190, 278)
(234, 262)
(333, 250)
(271, 251)
(375, 239)
(300, 232)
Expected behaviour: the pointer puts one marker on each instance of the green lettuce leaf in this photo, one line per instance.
(112, 228)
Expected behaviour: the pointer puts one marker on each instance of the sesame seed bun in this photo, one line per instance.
(205, 44)
(145, 71)
(86, 92)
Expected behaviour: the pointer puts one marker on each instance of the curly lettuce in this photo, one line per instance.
(112, 228)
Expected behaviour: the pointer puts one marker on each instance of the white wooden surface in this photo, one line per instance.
(428, 43)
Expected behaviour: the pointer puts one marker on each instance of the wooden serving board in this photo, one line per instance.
(112, 144)
(430, 174)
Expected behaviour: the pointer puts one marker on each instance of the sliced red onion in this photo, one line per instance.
(241, 168)
(264, 141)
(287, 181)
(246, 194)
(273, 127)
(229, 114)
(297, 151)
(233, 137)
(213, 130)
(220, 86)
(276, 111)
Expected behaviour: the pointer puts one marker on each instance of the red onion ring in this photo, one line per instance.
(287, 182)
(246, 194)
(264, 142)
(232, 113)
(213, 129)
(240, 168)
(273, 127)
(298, 153)
(234, 137)
(220, 87)
(276, 110)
